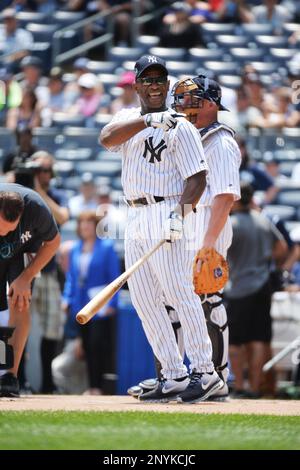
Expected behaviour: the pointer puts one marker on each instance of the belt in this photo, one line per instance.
(143, 201)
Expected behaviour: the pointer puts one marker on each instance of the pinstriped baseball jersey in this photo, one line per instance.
(223, 158)
(156, 162)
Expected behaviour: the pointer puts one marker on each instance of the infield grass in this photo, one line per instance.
(146, 430)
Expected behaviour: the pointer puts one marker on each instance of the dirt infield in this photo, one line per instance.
(126, 403)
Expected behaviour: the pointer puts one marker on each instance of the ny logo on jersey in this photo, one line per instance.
(154, 151)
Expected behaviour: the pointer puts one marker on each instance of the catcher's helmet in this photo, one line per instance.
(189, 93)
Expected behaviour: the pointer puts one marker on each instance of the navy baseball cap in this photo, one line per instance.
(210, 90)
(147, 61)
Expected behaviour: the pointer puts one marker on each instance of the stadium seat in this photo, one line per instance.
(291, 137)
(47, 138)
(264, 67)
(289, 198)
(64, 169)
(68, 230)
(284, 212)
(245, 55)
(98, 168)
(66, 18)
(286, 168)
(168, 53)
(104, 156)
(290, 28)
(230, 81)
(222, 68)
(265, 42)
(254, 29)
(108, 80)
(74, 155)
(81, 137)
(42, 50)
(210, 30)
(72, 182)
(282, 55)
(7, 140)
(61, 120)
(200, 55)
(227, 41)
(25, 17)
(286, 155)
(101, 120)
(99, 66)
(42, 32)
(119, 54)
(146, 42)
(181, 68)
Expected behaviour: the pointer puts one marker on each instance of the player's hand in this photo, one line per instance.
(173, 227)
(164, 120)
(20, 293)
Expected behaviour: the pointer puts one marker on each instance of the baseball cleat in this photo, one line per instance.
(165, 391)
(143, 387)
(201, 386)
(220, 395)
(9, 386)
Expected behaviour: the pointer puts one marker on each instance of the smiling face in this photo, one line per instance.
(152, 92)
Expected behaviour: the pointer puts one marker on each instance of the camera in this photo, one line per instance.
(25, 170)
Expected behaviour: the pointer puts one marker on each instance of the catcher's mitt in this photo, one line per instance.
(213, 273)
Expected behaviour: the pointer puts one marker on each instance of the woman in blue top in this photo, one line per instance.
(93, 265)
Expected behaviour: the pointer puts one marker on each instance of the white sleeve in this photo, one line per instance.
(224, 166)
(188, 150)
(120, 116)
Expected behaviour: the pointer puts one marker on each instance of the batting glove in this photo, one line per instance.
(173, 227)
(163, 120)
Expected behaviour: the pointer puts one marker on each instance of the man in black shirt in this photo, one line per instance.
(26, 226)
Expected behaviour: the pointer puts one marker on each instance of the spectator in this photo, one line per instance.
(256, 175)
(234, 11)
(72, 90)
(47, 295)
(256, 241)
(272, 13)
(86, 200)
(24, 150)
(32, 70)
(93, 265)
(10, 94)
(56, 97)
(14, 42)
(178, 30)
(27, 114)
(128, 98)
(91, 100)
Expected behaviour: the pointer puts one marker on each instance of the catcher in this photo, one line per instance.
(200, 99)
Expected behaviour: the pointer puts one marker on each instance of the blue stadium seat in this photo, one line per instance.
(291, 137)
(200, 55)
(62, 120)
(80, 137)
(227, 41)
(64, 169)
(146, 42)
(47, 138)
(74, 155)
(108, 80)
(7, 140)
(290, 28)
(287, 155)
(210, 30)
(42, 50)
(282, 55)
(222, 68)
(101, 120)
(41, 32)
(254, 29)
(284, 212)
(99, 168)
(66, 18)
(265, 42)
(105, 155)
(289, 198)
(25, 17)
(245, 55)
(168, 53)
(101, 66)
(72, 182)
(286, 168)
(230, 81)
(68, 230)
(181, 68)
(119, 54)
(264, 67)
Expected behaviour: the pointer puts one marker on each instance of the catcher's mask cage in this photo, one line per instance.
(187, 98)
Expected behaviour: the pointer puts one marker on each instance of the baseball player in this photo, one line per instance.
(200, 99)
(163, 177)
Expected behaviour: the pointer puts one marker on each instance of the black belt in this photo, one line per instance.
(142, 201)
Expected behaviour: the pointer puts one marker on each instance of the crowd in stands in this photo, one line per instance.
(52, 112)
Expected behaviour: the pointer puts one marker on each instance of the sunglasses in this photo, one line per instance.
(45, 170)
(150, 80)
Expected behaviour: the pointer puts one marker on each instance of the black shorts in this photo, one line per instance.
(9, 270)
(249, 318)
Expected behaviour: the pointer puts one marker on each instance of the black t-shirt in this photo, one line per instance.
(36, 225)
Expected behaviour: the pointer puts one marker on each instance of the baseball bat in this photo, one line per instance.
(94, 305)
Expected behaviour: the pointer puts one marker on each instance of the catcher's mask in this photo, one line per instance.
(187, 98)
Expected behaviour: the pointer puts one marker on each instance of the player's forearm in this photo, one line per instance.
(219, 213)
(43, 256)
(118, 133)
(193, 190)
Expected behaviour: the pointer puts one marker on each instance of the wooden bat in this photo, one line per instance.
(94, 305)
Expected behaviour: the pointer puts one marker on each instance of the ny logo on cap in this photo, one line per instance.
(155, 152)
(152, 58)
